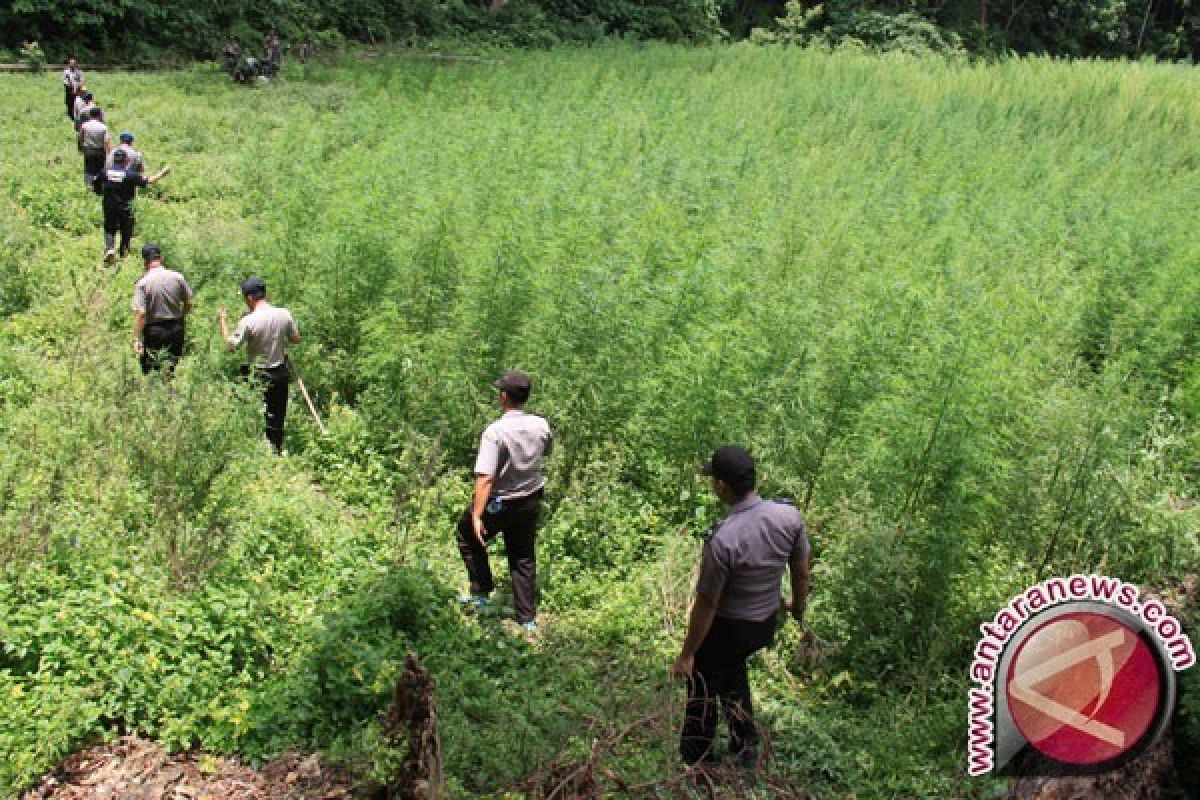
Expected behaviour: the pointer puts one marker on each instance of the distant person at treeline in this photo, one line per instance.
(94, 143)
(266, 331)
(72, 85)
(118, 186)
(274, 50)
(232, 53)
(162, 300)
(737, 602)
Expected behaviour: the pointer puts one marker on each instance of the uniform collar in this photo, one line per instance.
(748, 501)
(513, 412)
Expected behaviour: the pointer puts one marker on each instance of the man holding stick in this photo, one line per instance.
(737, 601)
(266, 330)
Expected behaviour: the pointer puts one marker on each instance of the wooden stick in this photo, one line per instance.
(307, 400)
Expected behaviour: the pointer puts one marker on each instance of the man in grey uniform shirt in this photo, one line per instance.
(507, 499)
(133, 158)
(266, 330)
(94, 143)
(737, 601)
(162, 300)
(72, 85)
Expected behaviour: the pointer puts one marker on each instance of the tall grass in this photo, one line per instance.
(951, 307)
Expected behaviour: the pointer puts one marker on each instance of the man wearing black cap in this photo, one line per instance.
(84, 103)
(162, 300)
(118, 186)
(737, 600)
(267, 330)
(507, 499)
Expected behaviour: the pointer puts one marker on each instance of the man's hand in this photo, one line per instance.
(683, 666)
(480, 530)
(797, 611)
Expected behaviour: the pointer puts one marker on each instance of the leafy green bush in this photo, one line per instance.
(838, 24)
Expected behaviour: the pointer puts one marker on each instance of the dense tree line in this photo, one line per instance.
(134, 31)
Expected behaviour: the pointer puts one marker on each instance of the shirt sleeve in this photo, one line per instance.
(549, 448)
(293, 330)
(239, 334)
(488, 460)
(714, 573)
(139, 298)
(800, 546)
(137, 178)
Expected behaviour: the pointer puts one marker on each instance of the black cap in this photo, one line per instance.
(254, 287)
(733, 465)
(87, 95)
(515, 381)
(120, 156)
(149, 251)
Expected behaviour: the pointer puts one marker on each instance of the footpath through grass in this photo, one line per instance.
(952, 309)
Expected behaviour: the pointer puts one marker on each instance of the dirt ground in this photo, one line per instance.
(137, 769)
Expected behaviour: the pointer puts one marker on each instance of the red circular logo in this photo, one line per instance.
(1083, 688)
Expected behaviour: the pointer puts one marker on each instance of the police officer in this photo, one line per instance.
(118, 186)
(84, 103)
(133, 158)
(94, 143)
(266, 330)
(162, 300)
(737, 601)
(507, 499)
(72, 85)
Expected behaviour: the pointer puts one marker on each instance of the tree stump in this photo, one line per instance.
(411, 722)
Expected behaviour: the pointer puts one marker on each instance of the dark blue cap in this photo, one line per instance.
(254, 287)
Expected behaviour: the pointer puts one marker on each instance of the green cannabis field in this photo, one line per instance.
(953, 309)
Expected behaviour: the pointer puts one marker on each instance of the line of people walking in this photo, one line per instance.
(162, 298)
(737, 602)
(114, 173)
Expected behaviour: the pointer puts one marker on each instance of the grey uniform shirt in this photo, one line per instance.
(511, 451)
(266, 331)
(745, 556)
(73, 78)
(161, 294)
(133, 160)
(93, 135)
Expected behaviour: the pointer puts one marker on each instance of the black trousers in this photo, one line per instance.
(93, 164)
(70, 97)
(720, 675)
(162, 345)
(275, 400)
(517, 520)
(118, 219)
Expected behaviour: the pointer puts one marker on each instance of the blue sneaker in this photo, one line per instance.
(476, 601)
